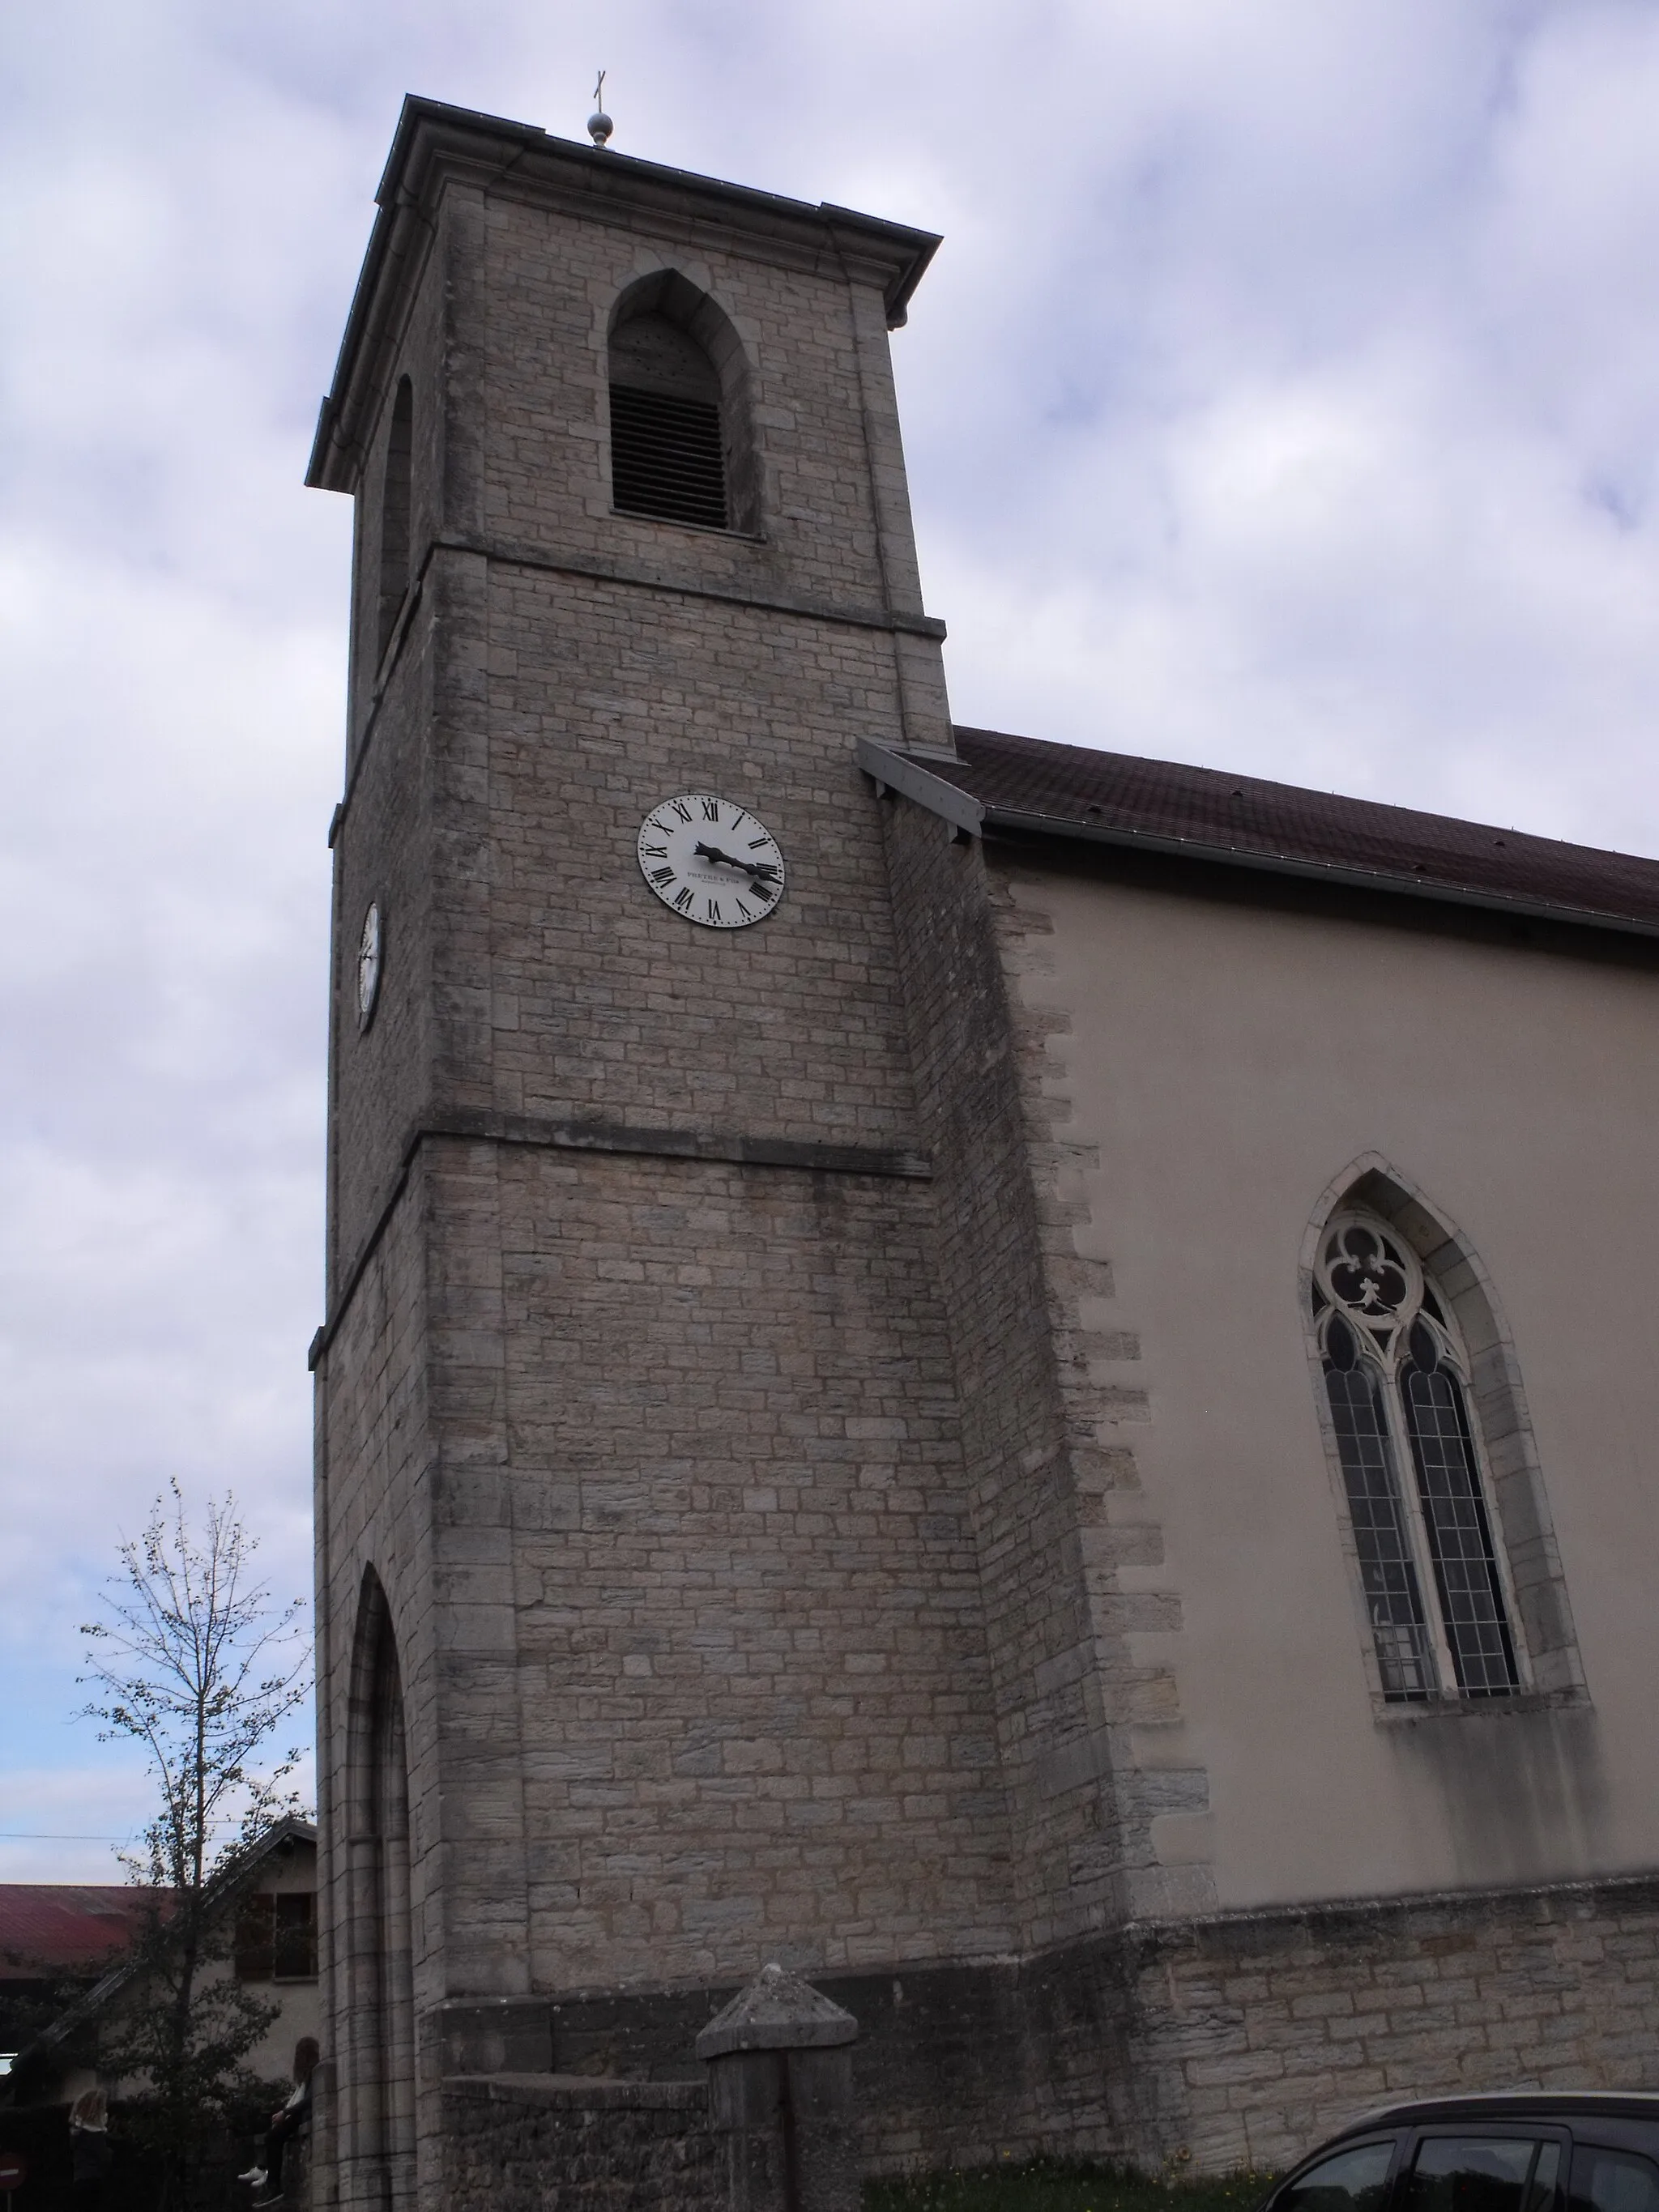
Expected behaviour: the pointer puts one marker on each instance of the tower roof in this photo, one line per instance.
(434, 143)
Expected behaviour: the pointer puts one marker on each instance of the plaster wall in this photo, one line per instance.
(1219, 1072)
(272, 2057)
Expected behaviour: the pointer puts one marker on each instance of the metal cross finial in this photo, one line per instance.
(599, 125)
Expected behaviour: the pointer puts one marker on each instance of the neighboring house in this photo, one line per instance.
(56, 1940)
(271, 1891)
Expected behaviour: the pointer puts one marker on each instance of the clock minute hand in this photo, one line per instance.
(759, 868)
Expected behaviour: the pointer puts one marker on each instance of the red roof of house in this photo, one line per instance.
(66, 1926)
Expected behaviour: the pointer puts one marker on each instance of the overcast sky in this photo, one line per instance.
(1285, 397)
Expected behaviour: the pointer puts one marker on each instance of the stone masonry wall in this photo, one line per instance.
(988, 1266)
(701, 1490)
(540, 2143)
(1049, 1445)
(707, 1636)
(1137, 1743)
(1243, 2038)
(381, 1078)
(373, 1509)
(565, 990)
(667, 1502)
(1236, 2040)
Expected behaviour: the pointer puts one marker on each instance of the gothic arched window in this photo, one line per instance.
(394, 512)
(1398, 1382)
(376, 2062)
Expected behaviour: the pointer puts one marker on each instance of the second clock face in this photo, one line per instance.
(711, 860)
(368, 966)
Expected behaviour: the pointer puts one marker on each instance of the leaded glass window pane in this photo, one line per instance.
(1459, 1532)
(1393, 1599)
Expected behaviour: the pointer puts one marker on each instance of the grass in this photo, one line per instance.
(1066, 2185)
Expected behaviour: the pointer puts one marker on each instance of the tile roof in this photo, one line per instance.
(1027, 784)
(69, 1926)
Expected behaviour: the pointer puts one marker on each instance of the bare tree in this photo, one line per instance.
(191, 1659)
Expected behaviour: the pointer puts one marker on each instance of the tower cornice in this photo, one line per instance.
(437, 144)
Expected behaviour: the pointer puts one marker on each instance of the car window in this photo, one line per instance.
(1354, 2180)
(1482, 2173)
(1613, 2181)
(1546, 2179)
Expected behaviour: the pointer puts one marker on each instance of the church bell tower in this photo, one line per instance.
(649, 1642)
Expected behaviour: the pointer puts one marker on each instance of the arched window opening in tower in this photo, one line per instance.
(375, 2065)
(394, 513)
(668, 447)
(1396, 1378)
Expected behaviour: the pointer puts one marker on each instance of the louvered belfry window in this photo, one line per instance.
(667, 444)
(394, 513)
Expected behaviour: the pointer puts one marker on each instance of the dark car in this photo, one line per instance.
(1521, 2150)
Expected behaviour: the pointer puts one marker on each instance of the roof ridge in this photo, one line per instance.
(1394, 808)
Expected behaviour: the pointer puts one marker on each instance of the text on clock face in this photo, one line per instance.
(711, 860)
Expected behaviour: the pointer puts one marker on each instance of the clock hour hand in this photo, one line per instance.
(763, 870)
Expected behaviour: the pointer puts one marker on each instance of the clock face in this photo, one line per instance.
(711, 860)
(368, 966)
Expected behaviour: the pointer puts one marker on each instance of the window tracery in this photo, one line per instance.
(1397, 1382)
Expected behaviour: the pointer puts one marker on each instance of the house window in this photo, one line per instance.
(1397, 1380)
(276, 1937)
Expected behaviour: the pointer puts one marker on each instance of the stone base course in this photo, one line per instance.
(1239, 2040)
(1254, 2034)
(528, 2142)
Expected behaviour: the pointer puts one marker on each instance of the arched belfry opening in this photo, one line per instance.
(680, 444)
(378, 2065)
(395, 513)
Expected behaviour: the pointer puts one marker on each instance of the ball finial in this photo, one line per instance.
(599, 125)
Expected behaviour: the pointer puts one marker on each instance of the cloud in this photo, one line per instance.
(79, 1817)
(1286, 396)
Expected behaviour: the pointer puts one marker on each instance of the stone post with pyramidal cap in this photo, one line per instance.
(780, 2090)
